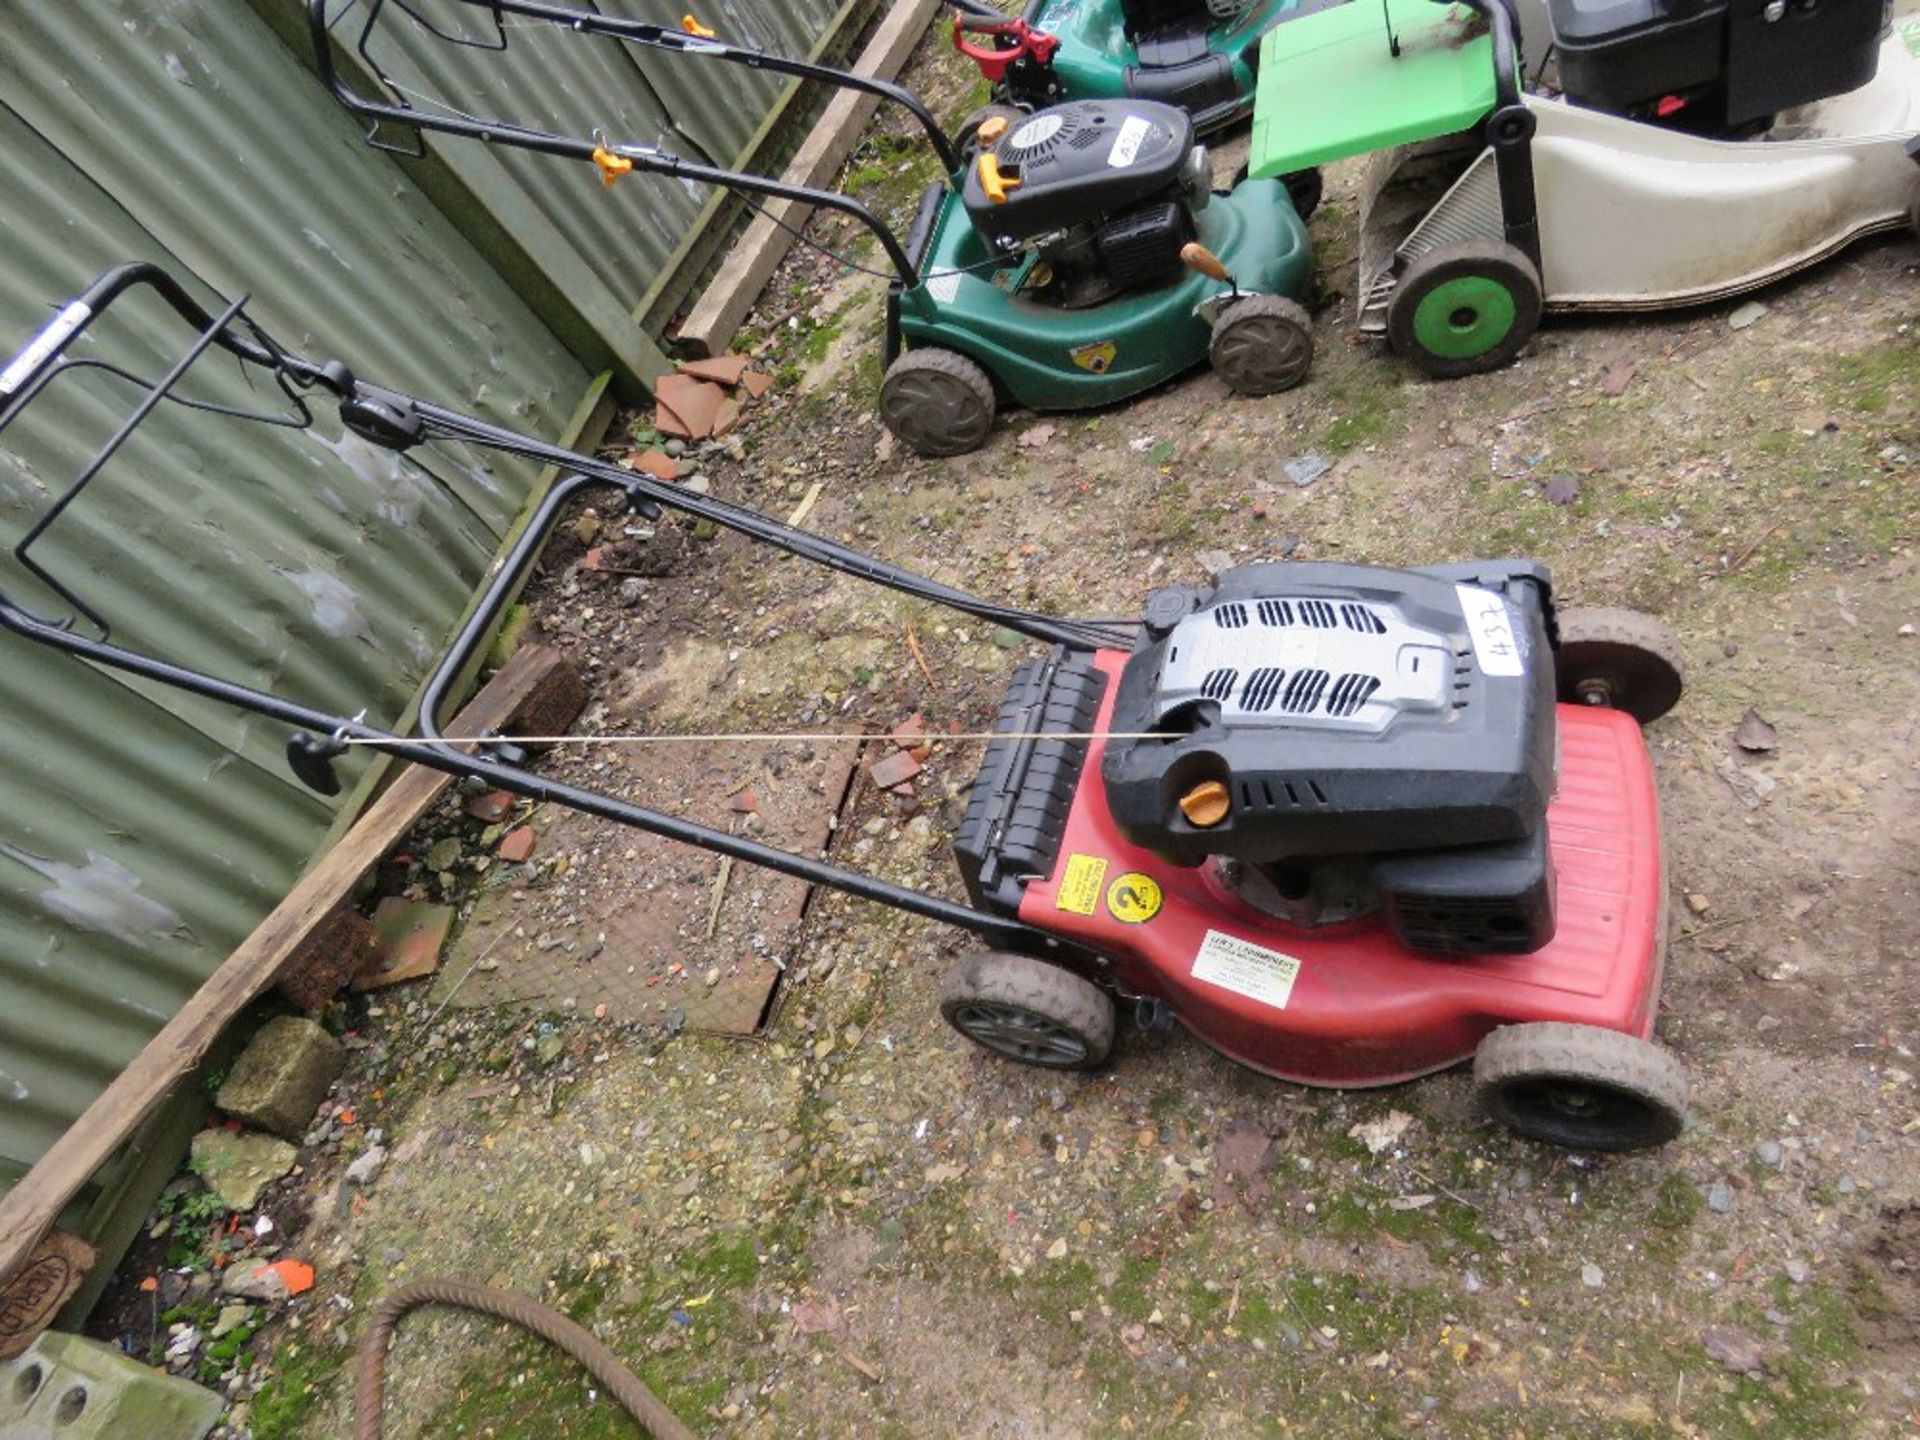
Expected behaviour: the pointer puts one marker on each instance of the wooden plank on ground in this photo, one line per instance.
(29, 1210)
(716, 316)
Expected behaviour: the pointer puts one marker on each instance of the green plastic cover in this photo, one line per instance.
(1330, 86)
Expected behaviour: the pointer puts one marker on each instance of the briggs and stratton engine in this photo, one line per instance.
(1101, 193)
(1351, 739)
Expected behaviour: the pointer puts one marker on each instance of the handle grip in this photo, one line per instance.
(1028, 43)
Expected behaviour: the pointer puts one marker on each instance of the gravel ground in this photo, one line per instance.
(859, 1225)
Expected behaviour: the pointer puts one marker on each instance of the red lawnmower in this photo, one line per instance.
(1348, 825)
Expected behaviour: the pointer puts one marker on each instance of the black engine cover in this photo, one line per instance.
(1347, 710)
(1085, 161)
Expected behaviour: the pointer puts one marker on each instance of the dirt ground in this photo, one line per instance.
(858, 1224)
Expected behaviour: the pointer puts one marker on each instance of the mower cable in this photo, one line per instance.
(556, 1329)
(768, 737)
(797, 232)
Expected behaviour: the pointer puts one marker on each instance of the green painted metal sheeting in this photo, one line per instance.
(143, 834)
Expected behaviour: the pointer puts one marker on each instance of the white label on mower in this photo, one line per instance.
(1126, 145)
(42, 345)
(944, 286)
(1041, 128)
(1246, 969)
(1495, 644)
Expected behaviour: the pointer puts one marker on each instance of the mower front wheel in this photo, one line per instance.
(1262, 344)
(1465, 308)
(1581, 1086)
(1028, 1010)
(1621, 659)
(938, 401)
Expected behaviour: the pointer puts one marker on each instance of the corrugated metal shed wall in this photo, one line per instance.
(142, 834)
(579, 85)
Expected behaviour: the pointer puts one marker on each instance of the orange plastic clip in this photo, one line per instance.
(694, 27)
(612, 166)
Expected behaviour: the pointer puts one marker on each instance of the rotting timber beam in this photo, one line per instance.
(680, 271)
(29, 1209)
(724, 304)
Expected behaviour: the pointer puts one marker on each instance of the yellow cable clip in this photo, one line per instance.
(694, 27)
(612, 166)
(993, 182)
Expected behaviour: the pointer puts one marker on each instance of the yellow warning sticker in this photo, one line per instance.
(1134, 898)
(1097, 357)
(1080, 886)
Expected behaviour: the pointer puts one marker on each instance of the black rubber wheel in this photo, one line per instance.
(1262, 344)
(966, 132)
(1304, 188)
(1465, 308)
(1581, 1086)
(938, 401)
(1027, 1010)
(1618, 658)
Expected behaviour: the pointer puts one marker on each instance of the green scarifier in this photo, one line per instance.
(1331, 89)
(1048, 358)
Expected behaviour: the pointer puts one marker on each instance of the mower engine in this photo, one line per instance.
(1099, 194)
(1350, 740)
(1714, 65)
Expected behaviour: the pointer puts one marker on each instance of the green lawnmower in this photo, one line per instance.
(1071, 258)
(1198, 54)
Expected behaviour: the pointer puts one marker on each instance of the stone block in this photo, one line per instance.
(237, 1167)
(282, 1076)
(66, 1387)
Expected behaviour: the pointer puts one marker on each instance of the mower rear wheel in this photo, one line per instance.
(938, 401)
(1465, 308)
(1621, 659)
(1028, 1010)
(1262, 344)
(1581, 1086)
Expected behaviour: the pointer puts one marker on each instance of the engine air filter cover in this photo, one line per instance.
(1084, 160)
(1346, 709)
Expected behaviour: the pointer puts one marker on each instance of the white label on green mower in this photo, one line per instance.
(945, 286)
(1126, 145)
(1246, 969)
(1490, 623)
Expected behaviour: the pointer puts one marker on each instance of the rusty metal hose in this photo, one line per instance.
(621, 1383)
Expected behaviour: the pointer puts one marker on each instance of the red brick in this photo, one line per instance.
(516, 846)
(722, 369)
(896, 769)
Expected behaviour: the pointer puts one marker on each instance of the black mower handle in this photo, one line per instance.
(614, 158)
(684, 42)
(72, 319)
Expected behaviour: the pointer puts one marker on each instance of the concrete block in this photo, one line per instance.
(282, 1076)
(238, 1167)
(66, 1387)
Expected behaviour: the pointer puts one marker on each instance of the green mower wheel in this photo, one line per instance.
(1262, 344)
(938, 401)
(1465, 308)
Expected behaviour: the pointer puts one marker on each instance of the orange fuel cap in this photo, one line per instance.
(991, 129)
(1206, 804)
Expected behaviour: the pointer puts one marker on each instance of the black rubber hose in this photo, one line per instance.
(621, 1383)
